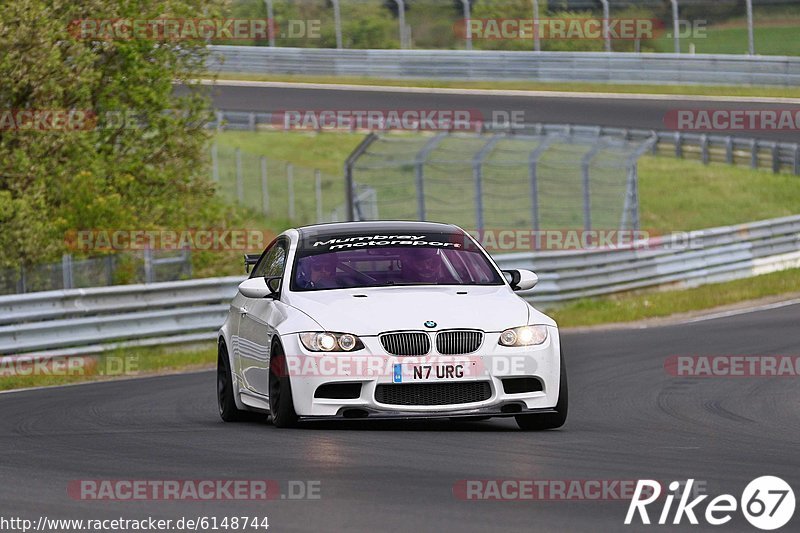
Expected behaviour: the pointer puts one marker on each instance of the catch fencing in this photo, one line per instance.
(509, 180)
(86, 321)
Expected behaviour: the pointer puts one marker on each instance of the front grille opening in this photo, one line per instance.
(458, 341)
(433, 393)
(339, 391)
(406, 343)
(520, 385)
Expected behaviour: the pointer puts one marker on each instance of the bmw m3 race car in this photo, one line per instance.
(387, 320)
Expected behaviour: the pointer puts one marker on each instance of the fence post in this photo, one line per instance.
(477, 164)
(264, 188)
(401, 16)
(251, 121)
(318, 193)
(587, 195)
(704, 149)
(729, 150)
(678, 145)
(349, 184)
(66, 270)
(215, 162)
(239, 177)
(337, 22)
(533, 162)
(148, 265)
(754, 153)
(751, 45)
(676, 30)
(271, 22)
(187, 262)
(468, 35)
(22, 285)
(606, 29)
(537, 45)
(797, 160)
(110, 269)
(776, 158)
(419, 171)
(290, 186)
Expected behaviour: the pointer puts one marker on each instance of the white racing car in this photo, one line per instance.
(387, 320)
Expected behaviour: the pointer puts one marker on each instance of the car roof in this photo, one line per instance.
(405, 226)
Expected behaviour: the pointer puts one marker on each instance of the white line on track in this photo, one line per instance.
(501, 92)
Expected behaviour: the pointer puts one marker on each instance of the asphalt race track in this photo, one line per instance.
(629, 419)
(620, 111)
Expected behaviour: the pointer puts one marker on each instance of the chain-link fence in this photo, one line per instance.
(529, 180)
(70, 273)
(276, 188)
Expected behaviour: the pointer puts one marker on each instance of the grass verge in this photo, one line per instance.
(631, 307)
(114, 364)
(576, 87)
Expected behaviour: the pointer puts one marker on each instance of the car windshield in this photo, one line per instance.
(387, 260)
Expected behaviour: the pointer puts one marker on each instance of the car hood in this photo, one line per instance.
(370, 311)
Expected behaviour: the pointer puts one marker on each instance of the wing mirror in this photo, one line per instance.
(261, 287)
(521, 280)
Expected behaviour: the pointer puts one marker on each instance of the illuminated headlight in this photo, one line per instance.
(324, 341)
(524, 336)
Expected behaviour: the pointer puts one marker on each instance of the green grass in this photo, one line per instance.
(770, 40)
(115, 364)
(628, 307)
(698, 90)
(681, 195)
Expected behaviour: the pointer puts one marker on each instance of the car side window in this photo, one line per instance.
(272, 263)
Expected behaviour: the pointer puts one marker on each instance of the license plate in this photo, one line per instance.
(433, 372)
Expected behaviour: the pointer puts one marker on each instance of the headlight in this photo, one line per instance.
(323, 341)
(524, 336)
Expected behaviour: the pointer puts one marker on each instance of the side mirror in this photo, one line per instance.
(521, 280)
(260, 287)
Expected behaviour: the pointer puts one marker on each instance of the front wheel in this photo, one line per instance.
(281, 404)
(534, 422)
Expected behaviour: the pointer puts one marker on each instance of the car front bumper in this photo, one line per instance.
(373, 367)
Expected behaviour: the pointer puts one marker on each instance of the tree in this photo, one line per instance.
(133, 151)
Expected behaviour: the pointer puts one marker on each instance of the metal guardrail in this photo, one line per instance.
(611, 67)
(85, 321)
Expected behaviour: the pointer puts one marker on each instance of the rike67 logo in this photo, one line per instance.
(767, 503)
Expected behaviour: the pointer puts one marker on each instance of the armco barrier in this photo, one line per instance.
(611, 67)
(91, 320)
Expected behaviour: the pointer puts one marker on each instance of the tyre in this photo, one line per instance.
(537, 422)
(281, 404)
(225, 400)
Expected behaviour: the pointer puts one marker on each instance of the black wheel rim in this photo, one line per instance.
(221, 388)
(274, 393)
